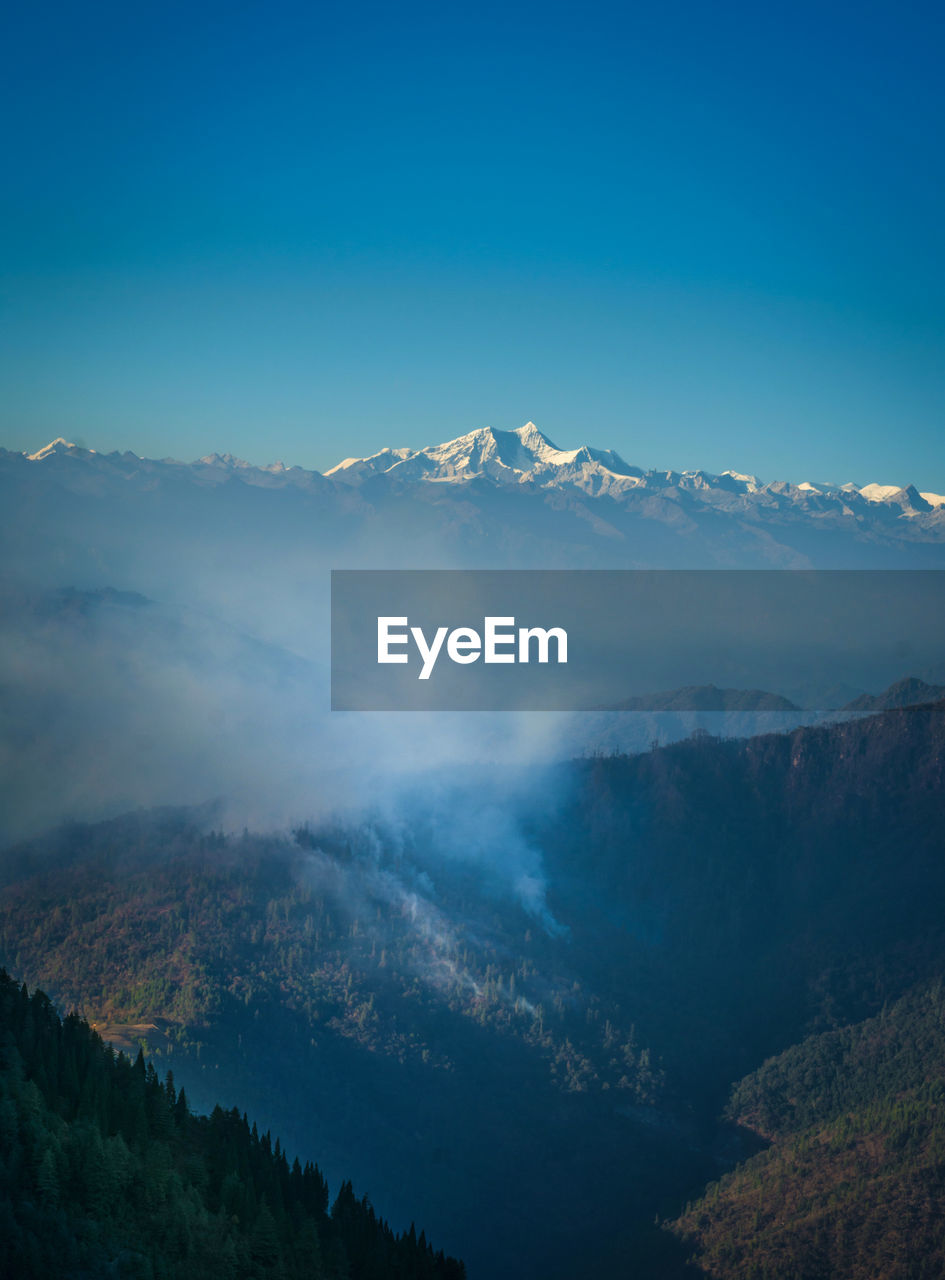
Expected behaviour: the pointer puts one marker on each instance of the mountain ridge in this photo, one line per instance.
(809, 861)
(489, 498)
(526, 455)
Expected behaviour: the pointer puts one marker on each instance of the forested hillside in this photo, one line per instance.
(540, 1020)
(426, 1029)
(749, 892)
(853, 1184)
(104, 1171)
(152, 919)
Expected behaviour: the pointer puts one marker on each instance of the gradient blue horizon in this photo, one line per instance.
(705, 236)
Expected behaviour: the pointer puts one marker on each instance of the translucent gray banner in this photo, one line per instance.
(570, 640)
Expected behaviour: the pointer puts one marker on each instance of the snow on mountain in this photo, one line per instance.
(526, 456)
(750, 483)
(879, 492)
(908, 499)
(228, 463)
(226, 460)
(522, 456)
(57, 446)
(353, 470)
(506, 499)
(525, 459)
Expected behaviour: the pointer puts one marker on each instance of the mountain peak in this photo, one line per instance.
(904, 693)
(524, 455)
(228, 460)
(57, 446)
(507, 456)
(351, 470)
(879, 492)
(907, 497)
(532, 438)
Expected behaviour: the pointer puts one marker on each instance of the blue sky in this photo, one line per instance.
(707, 235)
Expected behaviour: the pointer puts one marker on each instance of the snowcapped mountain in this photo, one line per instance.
(491, 497)
(57, 446)
(506, 457)
(527, 456)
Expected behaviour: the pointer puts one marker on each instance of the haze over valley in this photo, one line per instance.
(526, 978)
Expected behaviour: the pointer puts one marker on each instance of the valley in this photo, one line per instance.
(551, 1053)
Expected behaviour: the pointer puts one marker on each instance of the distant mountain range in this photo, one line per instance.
(904, 693)
(909, 692)
(526, 456)
(496, 499)
(707, 698)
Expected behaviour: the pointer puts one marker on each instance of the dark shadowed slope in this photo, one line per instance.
(853, 1184)
(540, 1020)
(106, 1172)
